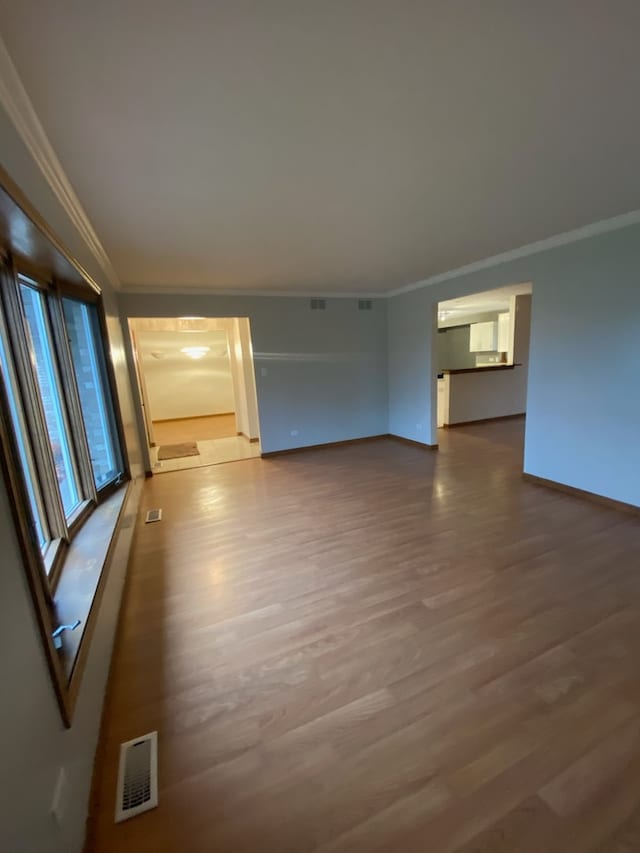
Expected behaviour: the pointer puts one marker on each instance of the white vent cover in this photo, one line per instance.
(153, 515)
(137, 789)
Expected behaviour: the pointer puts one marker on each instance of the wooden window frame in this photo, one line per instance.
(57, 275)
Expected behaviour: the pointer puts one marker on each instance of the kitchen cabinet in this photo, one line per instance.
(483, 337)
(504, 332)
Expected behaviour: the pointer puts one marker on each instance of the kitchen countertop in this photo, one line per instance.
(480, 369)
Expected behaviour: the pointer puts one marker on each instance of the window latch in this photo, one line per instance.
(57, 634)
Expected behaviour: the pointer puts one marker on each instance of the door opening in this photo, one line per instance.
(197, 391)
(482, 355)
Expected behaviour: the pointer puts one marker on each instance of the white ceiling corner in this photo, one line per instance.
(16, 102)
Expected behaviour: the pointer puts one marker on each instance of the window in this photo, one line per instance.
(26, 459)
(62, 456)
(60, 407)
(50, 392)
(89, 367)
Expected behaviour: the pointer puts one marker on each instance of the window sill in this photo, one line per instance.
(81, 574)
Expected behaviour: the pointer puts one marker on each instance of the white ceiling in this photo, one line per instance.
(452, 310)
(345, 145)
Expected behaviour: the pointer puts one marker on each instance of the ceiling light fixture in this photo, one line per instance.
(195, 352)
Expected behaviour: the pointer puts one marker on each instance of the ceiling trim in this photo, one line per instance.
(20, 110)
(170, 290)
(604, 226)
(583, 233)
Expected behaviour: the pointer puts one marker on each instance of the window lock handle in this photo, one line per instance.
(57, 634)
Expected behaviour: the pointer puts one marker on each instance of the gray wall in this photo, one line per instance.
(412, 366)
(453, 349)
(326, 371)
(34, 744)
(583, 406)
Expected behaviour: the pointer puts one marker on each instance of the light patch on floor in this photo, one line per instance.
(212, 452)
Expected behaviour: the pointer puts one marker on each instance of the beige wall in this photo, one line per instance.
(181, 387)
(189, 389)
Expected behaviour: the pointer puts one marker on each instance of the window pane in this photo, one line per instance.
(86, 354)
(50, 394)
(28, 467)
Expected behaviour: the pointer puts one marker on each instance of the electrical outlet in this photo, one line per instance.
(59, 801)
(294, 432)
(264, 371)
(418, 426)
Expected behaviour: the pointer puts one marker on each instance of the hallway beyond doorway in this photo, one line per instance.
(196, 384)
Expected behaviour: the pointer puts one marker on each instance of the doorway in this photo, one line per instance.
(197, 391)
(482, 355)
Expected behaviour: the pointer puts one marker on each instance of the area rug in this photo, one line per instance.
(177, 451)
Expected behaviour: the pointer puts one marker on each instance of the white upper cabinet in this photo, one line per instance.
(504, 329)
(483, 337)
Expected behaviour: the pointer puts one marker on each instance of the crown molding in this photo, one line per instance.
(604, 226)
(176, 290)
(583, 233)
(20, 110)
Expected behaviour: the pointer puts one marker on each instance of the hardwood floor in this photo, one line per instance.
(377, 648)
(194, 429)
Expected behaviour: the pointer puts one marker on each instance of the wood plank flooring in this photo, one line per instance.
(377, 648)
(194, 429)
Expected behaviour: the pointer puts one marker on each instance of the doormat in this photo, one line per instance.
(177, 451)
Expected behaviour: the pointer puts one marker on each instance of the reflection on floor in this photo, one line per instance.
(194, 429)
(212, 452)
(375, 648)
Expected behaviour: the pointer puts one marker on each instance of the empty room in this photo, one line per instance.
(319, 426)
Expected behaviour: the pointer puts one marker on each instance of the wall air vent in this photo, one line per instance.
(318, 304)
(137, 790)
(365, 305)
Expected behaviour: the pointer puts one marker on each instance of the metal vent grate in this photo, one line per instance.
(153, 515)
(318, 304)
(365, 304)
(137, 790)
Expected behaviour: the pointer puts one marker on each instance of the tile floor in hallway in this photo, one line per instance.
(212, 452)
